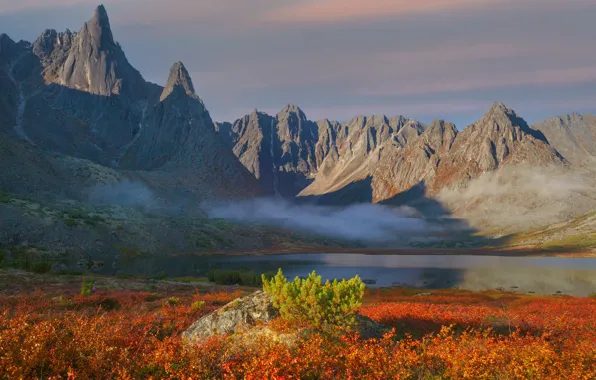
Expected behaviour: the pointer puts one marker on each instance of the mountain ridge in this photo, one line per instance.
(373, 146)
(76, 93)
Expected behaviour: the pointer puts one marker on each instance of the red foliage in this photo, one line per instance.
(130, 335)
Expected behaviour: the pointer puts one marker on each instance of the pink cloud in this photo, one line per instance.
(552, 77)
(341, 10)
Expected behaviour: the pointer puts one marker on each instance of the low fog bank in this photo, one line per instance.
(127, 194)
(523, 196)
(363, 222)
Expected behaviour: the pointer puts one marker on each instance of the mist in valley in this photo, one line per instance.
(522, 196)
(359, 222)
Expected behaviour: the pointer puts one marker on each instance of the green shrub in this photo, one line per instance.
(87, 287)
(70, 222)
(309, 300)
(197, 305)
(41, 267)
(225, 277)
(1, 258)
(5, 197)
(592, 295)
(237, 277)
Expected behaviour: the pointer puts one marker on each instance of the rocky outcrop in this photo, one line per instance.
(238, 315)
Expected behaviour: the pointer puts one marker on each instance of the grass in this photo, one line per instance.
(582, 241)
(546, 237)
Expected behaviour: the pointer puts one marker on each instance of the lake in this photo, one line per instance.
(540, 275)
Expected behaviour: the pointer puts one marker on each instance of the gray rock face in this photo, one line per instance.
(178, 78)
(573, 135)
(360, 145)
(279, 151)
(403, 166)
(95, 62)
(287, 152)
(237, 315)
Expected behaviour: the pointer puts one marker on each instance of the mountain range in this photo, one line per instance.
(293, 156)
(75, 115)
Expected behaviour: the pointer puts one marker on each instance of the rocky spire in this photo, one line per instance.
(91, 61)
(178, 78)
(99, 28)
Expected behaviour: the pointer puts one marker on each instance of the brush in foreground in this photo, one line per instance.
(309, 300)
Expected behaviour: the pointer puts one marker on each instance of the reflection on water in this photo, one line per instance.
(541, 275)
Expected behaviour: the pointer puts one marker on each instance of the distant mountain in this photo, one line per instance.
(286, 152)
(77, 94)
(394, 154)
(573, 135)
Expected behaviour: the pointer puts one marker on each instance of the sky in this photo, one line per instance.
(424, 59)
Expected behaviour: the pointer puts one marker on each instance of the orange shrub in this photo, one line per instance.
(131, 335)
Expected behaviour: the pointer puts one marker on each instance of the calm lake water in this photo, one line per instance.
(540, 275)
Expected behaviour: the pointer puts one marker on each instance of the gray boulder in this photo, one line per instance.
(238, 315)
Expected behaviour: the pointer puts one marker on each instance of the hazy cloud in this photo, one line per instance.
(426, 59)
(363, 222)
(131, 194)
(523, 195)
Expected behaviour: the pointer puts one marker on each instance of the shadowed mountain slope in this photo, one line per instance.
(77, 94)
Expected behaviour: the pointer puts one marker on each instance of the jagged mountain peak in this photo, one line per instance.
(503, 120)
(499, 112)
(6, 43)
(90, 60)
(99, 28)
(100, 16)
(441, 124)
(4, 37)
(441, 133)
(178, 78)
(289, 110)
(500, 107)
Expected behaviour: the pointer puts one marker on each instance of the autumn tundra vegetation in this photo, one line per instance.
(134, 332)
